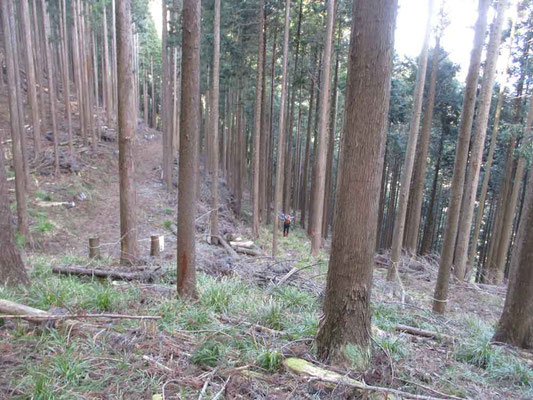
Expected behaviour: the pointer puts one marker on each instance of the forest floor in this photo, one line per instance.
(252, 313)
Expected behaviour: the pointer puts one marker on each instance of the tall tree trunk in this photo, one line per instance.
(328, 192)
(323, 133)
(278, 198)
(412, 223)
(126, 135)
(77, 68)
(287, 181)
(20, 97)
(270, 152)
(305, 178)
(66, 71)
(257, 122)
(478, 145)
(429, 227)
(12, 271)
(37, 58)
(166, 102)
(30, 76)
(486, 178)
(516, 322)
(188, 159)
(510, 206)
(16, 129)
(153, 110)
(214, 121)
(263, 143)
(461, 158)
(401, 213)
(51, 86)
(347, 311)
(107, 73)
(391, 207)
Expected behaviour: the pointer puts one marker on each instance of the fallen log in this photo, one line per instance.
(304, 367)
(29, 313)
(248, 244)
(249, 252)
(228, 248)
(143, 276)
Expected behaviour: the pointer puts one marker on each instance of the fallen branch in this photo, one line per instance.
(45, 204)
(47, 316)
(143, 276)
(320, 374)
(422, 332)
(29, 313)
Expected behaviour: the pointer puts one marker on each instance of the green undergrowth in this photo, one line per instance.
(233, 324)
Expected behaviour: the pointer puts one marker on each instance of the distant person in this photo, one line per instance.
(287, 219)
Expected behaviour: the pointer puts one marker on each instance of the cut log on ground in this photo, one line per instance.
(31, 314)
(246, 244)
(228, 248)
(142, 276)
(249, 252)
(304, 367)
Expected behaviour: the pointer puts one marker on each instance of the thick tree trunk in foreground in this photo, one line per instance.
(257, 123)
(126, 135)
(16, 129)
(416, 195)
(323, 132)
(188, 159)
(278, 198)
(461, 158)
(516, 322)
(12, 271)
(401, 213)
(347, 302)
(214, 121)
(478, 144)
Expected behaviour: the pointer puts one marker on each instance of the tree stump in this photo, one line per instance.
(155, 248)
(94, 248)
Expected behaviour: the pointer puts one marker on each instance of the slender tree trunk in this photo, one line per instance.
(263, 142)
(153, 110)
(77, 68)
(287, 181)
(114, 58)
(328, 193)
(166, 102)
(107, 73)
(347, 311)
(461, 158)
(12, 271)
(188, 159)
(38, 66)
(270, 152)
(510, 206)
(412, 223)
(391, 207)
(486, 178)
(214, 121)
(16, 129)
(278, 198)
(401, 213)
(429, 227)
(66, 71)
(516, 322)
(305, 179)
(478, 145)
(257, 123)
(51, 86)
(30, 76)
(126, 135)
(20, 97)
